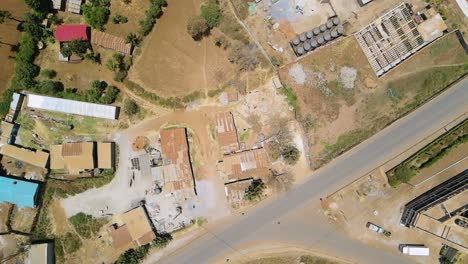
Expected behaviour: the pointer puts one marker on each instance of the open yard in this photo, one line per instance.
(340, 101)
(9, 38)
(172, 63)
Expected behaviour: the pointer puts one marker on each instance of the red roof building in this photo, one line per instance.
(71, 32)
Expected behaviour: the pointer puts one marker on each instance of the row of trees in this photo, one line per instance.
(135, 256)
(151, 14)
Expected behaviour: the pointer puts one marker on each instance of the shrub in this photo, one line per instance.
(48, 73)
(27, 48)
(211, 13)
(110, 95)
(133, 39)
(404, 173)
(197, 27)
(24, 74)
(95, 15)
(49, 87)
(290, 154)
(119, 19)
(239, 54)
(130, 107)
(86, 225)
(70, 243)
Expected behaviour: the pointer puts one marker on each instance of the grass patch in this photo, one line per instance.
(201, 221)
(86, 225)
(441, 47)
(429, 155)
(344, 142)
(291, 97)
(244, 136)
(64, 189)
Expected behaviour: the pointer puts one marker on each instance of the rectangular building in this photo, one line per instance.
(175, 151)
(18, 191)
(41, 254)
(109, 41)
(48, 103)
(36, 158)
(133, 227)
(227, 132)
(245, 164)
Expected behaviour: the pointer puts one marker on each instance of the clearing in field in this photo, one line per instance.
(341, 102)
(172, 63)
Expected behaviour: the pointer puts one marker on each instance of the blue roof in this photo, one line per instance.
(17, 191)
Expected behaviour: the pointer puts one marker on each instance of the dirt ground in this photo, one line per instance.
(371, 199)
(317, 79)
(9, 38)
(4, 211)
(172, 63)
(21, 169)
(134, 11)
(23, 219)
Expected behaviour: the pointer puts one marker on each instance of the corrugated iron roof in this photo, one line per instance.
(227, 132)
(70, 32)
(110, 42)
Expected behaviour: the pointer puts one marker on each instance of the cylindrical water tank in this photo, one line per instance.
(336, 21)
(334, 33)
(296, 41)
(329, 24)
(323, 27)
(313, 43)
(302, 37)
(327, 36)
(300, 50)
(320, 39)
(340, 29)
(307, 46)
(309, 34)
(316, 31)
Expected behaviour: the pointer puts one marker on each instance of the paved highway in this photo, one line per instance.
(293, 217)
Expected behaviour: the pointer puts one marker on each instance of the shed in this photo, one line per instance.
(109, 41)
(74, 6)
(41, 254)
(105, 155)
(71, 32)
(57, 4)
(36, 158)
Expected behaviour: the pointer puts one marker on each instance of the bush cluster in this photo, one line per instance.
(96, 13)
(154, 10)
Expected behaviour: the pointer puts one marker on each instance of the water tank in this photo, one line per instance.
(323, 27)
(307, 46)
(316, 31)
(313, 43)
(309, 34)
(302, 37)
(340, 29)
(334, 33)
(329, 24)
(296, 41)
(336, 21)
(327, 36)
(320, 39)
(300, 50)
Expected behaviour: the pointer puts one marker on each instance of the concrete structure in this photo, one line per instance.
(72, 107)
(74, 6)
(227, 132)
(41, 254)
(36, 158)
(364, 2)
(463, 4)
(175, 152)
(18, 191)
(432, 28)
(8, 132)
(133, 227)
(109, 41)
(245, 164)
(80, 157)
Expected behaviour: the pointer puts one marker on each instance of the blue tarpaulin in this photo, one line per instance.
(17, 191)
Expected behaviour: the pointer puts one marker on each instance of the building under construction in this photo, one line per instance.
(453, 189)
(397, 35)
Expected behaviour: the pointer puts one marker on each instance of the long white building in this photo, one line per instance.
(72, 107)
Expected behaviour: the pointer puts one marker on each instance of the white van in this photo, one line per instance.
(414, 250)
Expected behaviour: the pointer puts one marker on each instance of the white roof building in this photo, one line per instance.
(72, 107)
(74, 6)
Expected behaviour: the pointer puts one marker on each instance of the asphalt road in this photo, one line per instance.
(293, 217)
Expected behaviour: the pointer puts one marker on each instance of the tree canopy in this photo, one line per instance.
(197, 27)
(96, 15)
(211, 13)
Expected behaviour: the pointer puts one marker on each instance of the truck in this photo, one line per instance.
(414, 250)
(377, 229)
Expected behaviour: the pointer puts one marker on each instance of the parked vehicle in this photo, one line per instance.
(414, 250)
(378, 229)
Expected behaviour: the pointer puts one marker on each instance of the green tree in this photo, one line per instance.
(76, 46)
(110, 95)
(130, 107)
(290, 154)
(55, 20)
(95, 15)
(133, 39)
(197, 27)
(404, 173)
(24, 74)
(27, 48)
(32, 24)
(49, 87)
(40, 6)
(211, 13)
(255, 190)
(48, 73)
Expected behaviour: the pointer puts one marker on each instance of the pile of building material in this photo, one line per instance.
(319, 36)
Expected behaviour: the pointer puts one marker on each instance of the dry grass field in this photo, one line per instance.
(337, 117)
(9, 36)
(134, 11)
(172, 63)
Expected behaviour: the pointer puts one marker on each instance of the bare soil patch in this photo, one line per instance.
(172, 63)
(140, 143)
(9, 37)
